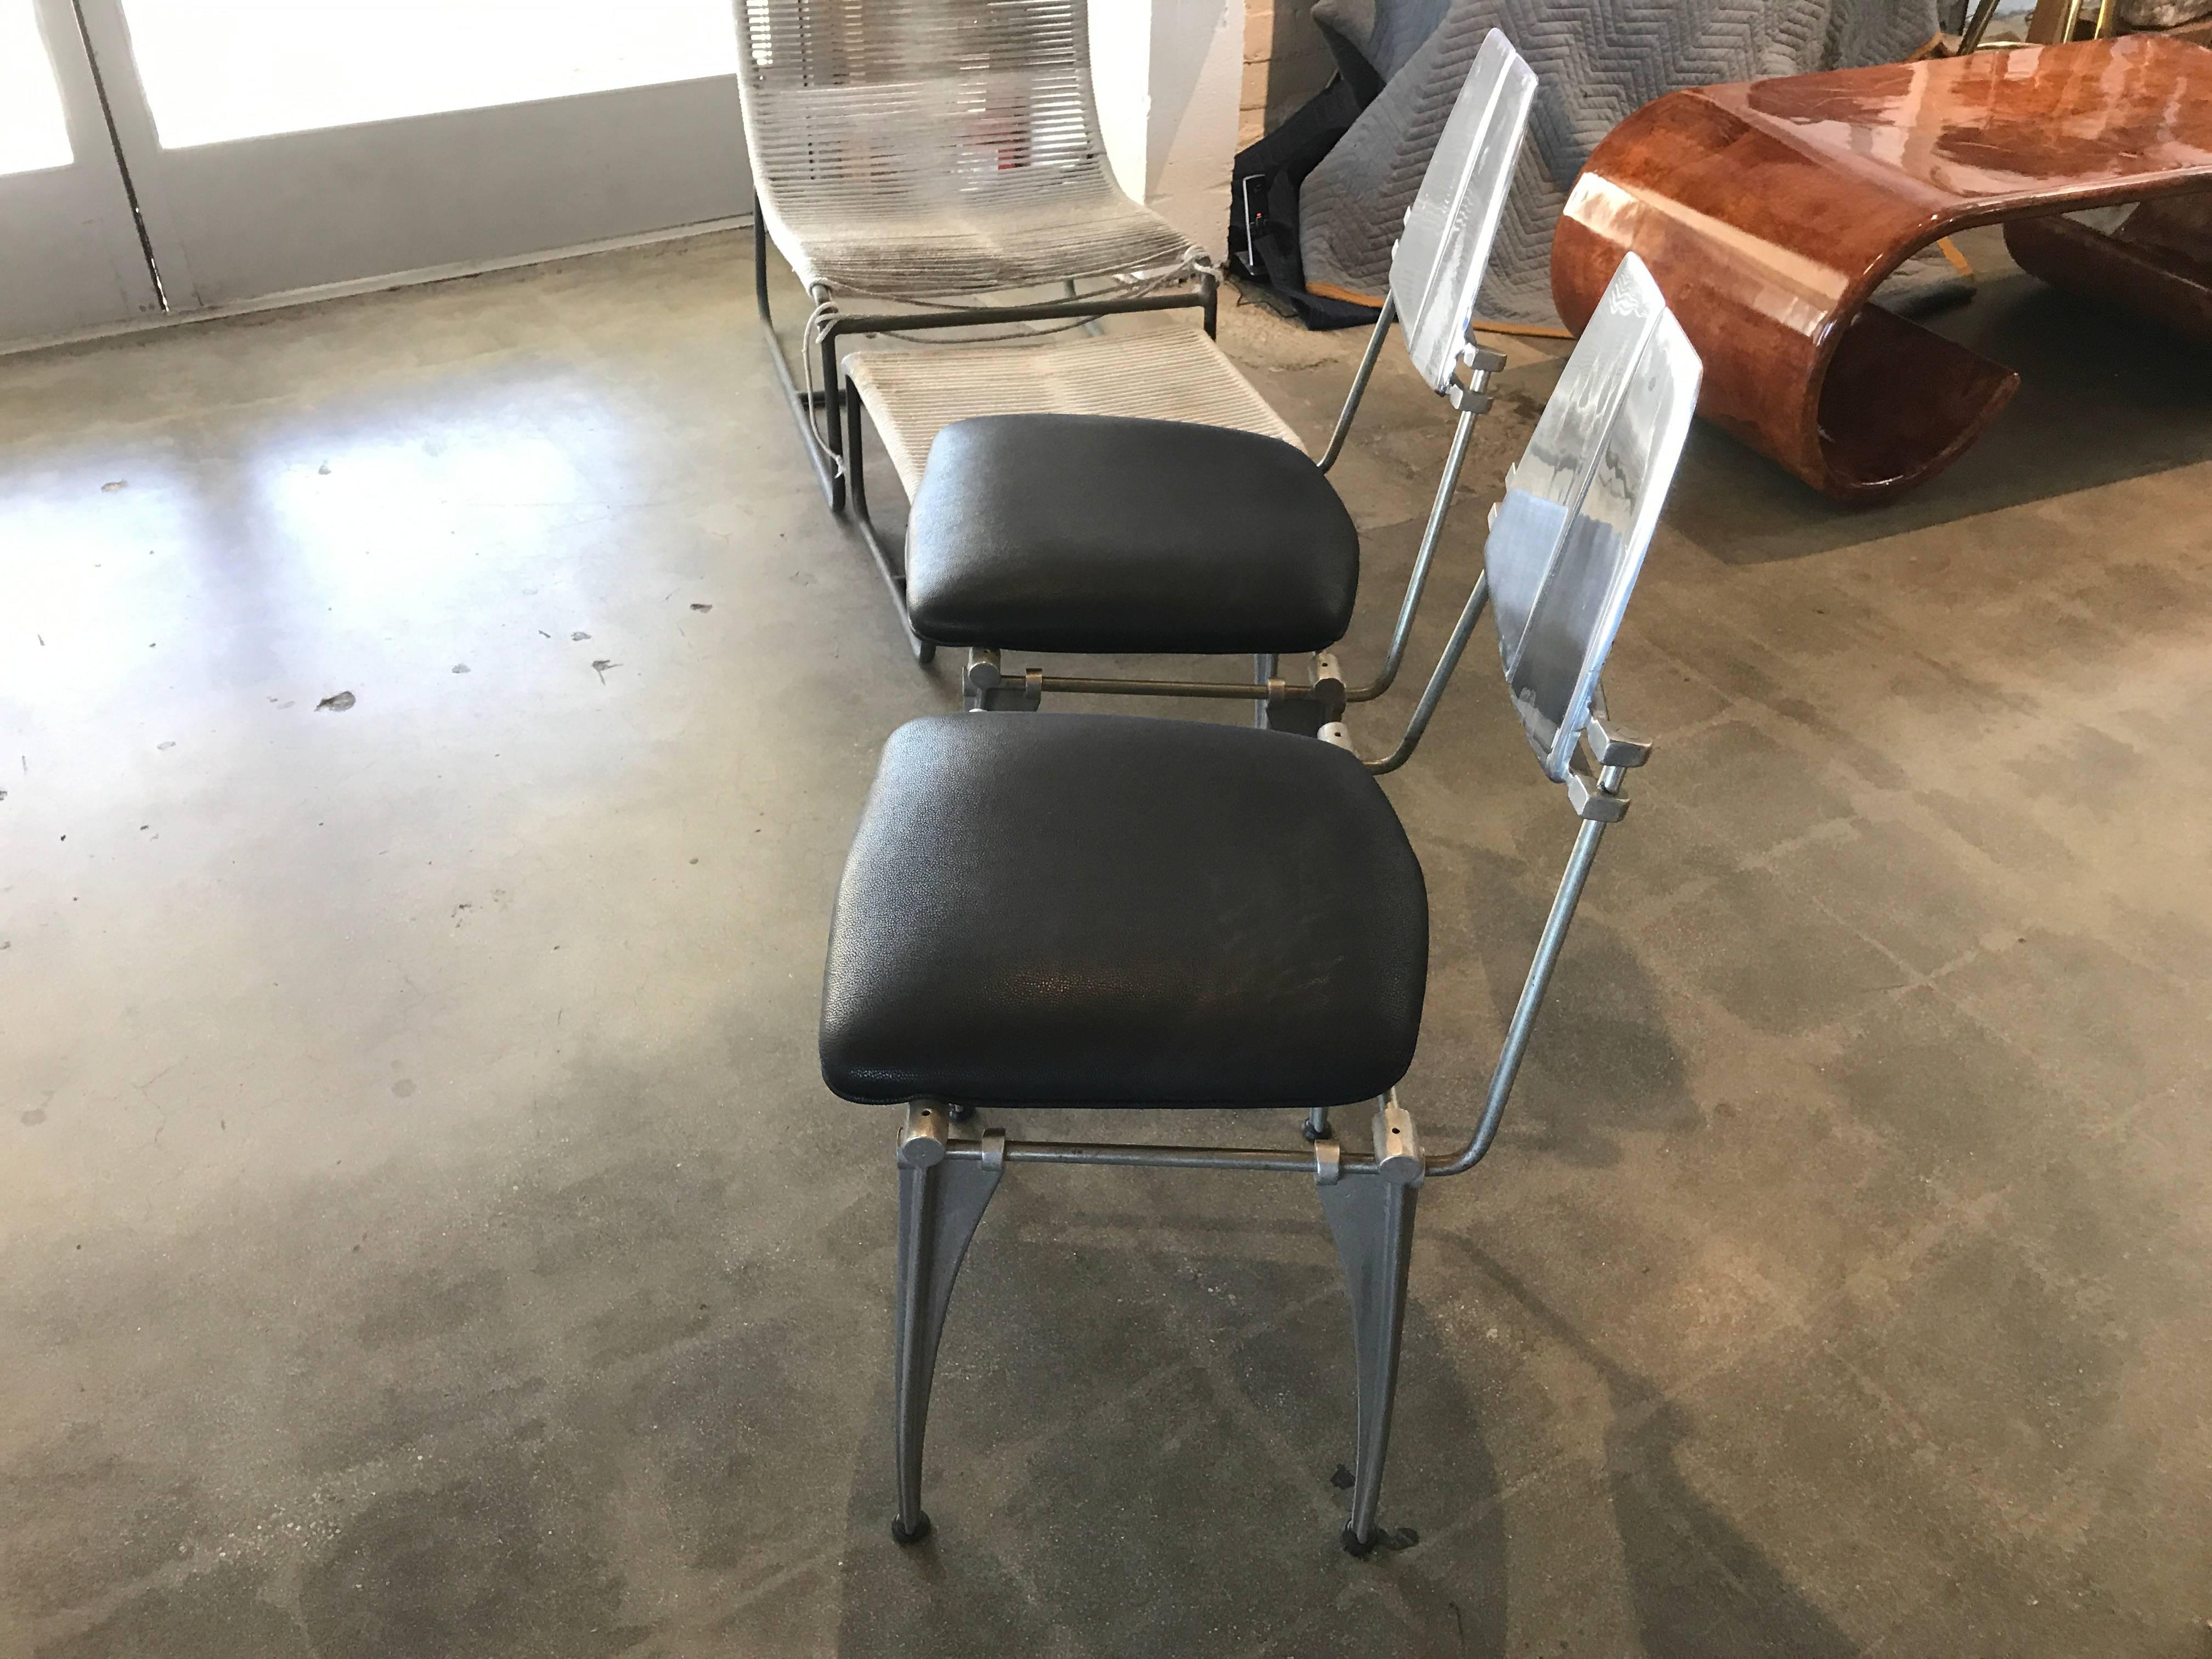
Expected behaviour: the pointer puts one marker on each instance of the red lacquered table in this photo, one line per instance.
(1769, 210)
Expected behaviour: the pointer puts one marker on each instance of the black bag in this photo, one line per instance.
(1263, 205)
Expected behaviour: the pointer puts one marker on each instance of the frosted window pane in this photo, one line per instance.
(215, 69)
(33, 132)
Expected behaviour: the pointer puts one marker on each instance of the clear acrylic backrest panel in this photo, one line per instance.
(1566, 542)
(1436, 269)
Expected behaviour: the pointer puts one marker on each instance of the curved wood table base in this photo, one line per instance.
(1769, 210)
(2158, 263)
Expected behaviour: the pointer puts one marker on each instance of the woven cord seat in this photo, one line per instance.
(1166, 374)
(923, 148)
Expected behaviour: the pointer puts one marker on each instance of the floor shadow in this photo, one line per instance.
(1701, 1588)
(1602, 1063)
(1131, 1451)
(2104, 396)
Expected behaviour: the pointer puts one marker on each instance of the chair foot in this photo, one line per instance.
(905, 1534)
(1371, 1213)
(941, 1200)
(1382, 1538)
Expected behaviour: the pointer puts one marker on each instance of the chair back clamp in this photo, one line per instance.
(985, 686)
(1397, 1157)
(1607, 753)
(1470, 392)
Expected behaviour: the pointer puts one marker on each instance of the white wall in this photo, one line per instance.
(1168, 74)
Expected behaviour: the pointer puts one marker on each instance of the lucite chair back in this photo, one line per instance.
(1437, 265)
(1580, 507)
(1437, 270)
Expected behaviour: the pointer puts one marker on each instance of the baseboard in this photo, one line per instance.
(302, 296)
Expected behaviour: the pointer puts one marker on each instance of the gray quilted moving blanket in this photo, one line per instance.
(1596, 61)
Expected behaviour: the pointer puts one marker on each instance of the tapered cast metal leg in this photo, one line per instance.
(1370, 1212)
(940, 1203)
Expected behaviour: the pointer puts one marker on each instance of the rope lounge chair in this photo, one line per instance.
(921, 160)
(1044, 912)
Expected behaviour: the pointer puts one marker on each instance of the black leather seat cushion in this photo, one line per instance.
(1106, 909)
(1093, 533)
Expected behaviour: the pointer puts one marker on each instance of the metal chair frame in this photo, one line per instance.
(1502, 87)
(947, 1177)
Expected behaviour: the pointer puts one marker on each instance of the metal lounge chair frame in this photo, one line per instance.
(1565, 547)
(1436, 276)
(927, 155)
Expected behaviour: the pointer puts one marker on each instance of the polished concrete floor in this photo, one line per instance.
(434, 722)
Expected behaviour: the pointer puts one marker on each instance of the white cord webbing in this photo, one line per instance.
(1165, 373)
(911, 149)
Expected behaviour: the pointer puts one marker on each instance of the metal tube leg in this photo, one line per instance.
(760, 255)
(834, 422)
(940, 1205)
(802, 407)
(1370, 1212)
(856, 478)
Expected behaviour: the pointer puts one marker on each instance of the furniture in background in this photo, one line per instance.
(1092, 528)
(935, 159)
(1596, 61)
(1041, 912)
(2152, 258)
(2187, 19)
(2056, 21)
(1769, 209)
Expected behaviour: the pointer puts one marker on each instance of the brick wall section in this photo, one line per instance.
(1285, 62)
